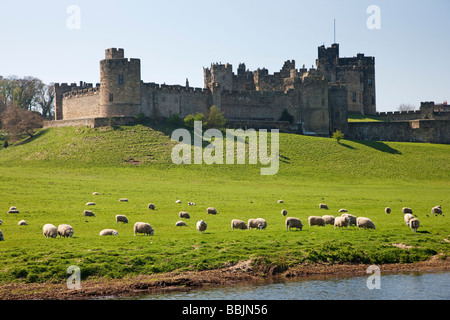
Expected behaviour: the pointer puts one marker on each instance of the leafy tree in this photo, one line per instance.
(191, 118)
(216, 118)
(338, 135)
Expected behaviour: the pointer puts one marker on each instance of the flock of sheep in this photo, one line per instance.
(343, 221)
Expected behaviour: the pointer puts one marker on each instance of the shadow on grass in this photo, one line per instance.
(346, 145)
(30, 139)
(378, 145)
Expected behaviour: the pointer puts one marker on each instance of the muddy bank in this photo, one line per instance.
(243, 271)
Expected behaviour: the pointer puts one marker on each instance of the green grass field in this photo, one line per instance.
(51, 178)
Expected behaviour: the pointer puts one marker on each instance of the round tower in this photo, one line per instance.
(120, 84)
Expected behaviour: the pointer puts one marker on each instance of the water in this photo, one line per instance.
(398, 286)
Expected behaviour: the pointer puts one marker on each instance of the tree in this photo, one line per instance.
(17, 122)
(191, 118)
(338, 135)
(216, 118)
(45, 99)
(24, 92)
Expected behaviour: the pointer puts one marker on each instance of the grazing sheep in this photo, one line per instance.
(293, 223)
(201, 226)
(22, 223)
(238, 224)
(352, 219)
(251, 223)
(414, 224)
(151, 206)
(280, 201)
(343, 210)
(121, 218)
(65, 230)
(13, 210)
(49, 231)
(316, 221)
(211, 210)
(109, 232)
(407, 210)
(178, 201)
(2, 237)
(407, 217)
(323, 206)
(142, 227)
(328, 219)
(184, 214)
(436, 210)
(363, 222)
(95, 193)
(284, 212)
(387, 210)
(123, 200)
(261, 223)
(180, 224)
(88, 213)
(341, 222)
(90, 203)
(191, 203)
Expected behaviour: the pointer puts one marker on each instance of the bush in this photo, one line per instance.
(338, 135)
(175, 120)
(189, 120)
(216, 118)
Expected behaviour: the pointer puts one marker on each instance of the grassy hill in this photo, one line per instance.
(52, 176)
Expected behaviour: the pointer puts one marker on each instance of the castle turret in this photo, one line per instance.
(120, 82)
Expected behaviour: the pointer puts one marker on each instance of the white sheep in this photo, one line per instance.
(284, 212)
(343, 210)
(251, 223)
(261, 223)
(316, 221)
(65, 230)
(292, 222)
(142, 227)
(2, 237)
(407, 210)
(211, 210)
(363, 222)
(180, 224)
(121, 218)
(351, 219)
(201, 226)
(238, 224)
(191, 203)
(280, 201)
(50, 231)
(95, 193)
(328, 219)
(414, 224)
(13, 209)
(22, 223)
(407, 217)
(341, 222)
(387, 210)
(178, 201)
(1, 222)
(151, 206)
(123, 200)
(88, 213)
(90, 203)
(323, 206)
(184, 214)
(436, 210)
(109, 232)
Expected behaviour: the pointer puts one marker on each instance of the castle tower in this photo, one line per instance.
(120, 84)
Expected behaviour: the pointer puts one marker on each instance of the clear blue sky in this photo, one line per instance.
(176, 39)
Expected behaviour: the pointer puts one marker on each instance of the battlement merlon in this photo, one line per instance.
(114, 53)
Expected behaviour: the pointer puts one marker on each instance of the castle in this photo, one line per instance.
(316, 101)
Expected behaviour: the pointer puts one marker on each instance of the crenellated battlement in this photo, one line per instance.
(81, 92)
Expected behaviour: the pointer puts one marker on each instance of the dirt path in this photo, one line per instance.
(243, 271)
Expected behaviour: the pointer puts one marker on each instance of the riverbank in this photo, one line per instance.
(243, 271)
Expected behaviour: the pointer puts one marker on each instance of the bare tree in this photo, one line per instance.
(406, 107)
(17, 122)
(45, 99)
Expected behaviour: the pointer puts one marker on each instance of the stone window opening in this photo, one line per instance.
(354, 96)
(111, 97)
(121, 79)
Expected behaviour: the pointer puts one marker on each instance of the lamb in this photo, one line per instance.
(211, 210)
(414, 224)
(65, 230)
(341, 222)
(407, 210)
(13, 209)
(343, 210)
(316, 221)
(363, 222)
(22, 223)
(50, 231)
(328, 219)
(436, 210)
(387, 210)
(184, 214)
(352, 219)
(90, 203)
(180, 224)
(261, 223)
(142, 227)
(2, 237)
(293, 223)
(238, 224)
(88, 213)
(407, 217)
(323, 206)
(109, 232)
(284, 212)
(151, 206)
(121, 218)
(201, 226)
